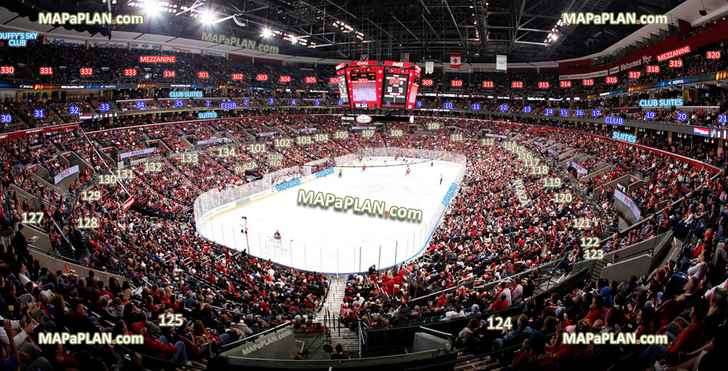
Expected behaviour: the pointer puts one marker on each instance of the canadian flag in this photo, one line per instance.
(456, 60)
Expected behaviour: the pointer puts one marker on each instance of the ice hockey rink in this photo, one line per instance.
(329, 241)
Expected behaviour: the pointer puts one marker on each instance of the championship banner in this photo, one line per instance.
(501, 62)
(430, 67)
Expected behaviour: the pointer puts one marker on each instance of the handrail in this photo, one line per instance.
(361, 336)
(545, 265)
(437, 332)
(676, 202)
(93, 146)
(628, 229)
(231, 345)
(651, 217)
(44, 202)
(61, 259)
(60, 231)
(473, 279)
(612, 256)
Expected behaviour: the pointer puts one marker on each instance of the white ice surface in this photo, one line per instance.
(325, 240)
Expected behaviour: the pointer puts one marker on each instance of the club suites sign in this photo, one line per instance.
(186, 94)
(238, 42)
(661, 102)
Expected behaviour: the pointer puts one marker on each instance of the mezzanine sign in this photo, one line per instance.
(673, 53)
(158, 59)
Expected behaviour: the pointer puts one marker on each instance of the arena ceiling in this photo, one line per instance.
(348, 29)
(431, 29)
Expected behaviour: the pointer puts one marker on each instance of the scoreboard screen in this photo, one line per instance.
(378, 84)
(364, 91)
(395, 89)
(363, 87)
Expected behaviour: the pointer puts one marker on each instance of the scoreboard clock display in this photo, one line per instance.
(377, 84)
(395, 89)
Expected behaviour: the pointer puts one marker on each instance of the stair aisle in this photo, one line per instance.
(329, 316)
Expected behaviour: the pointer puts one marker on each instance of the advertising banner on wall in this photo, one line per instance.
(629, 203)
(141, 152)
(65, 174)
(580, 170)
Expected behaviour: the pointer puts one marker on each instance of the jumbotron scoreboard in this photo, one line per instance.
(378, 84)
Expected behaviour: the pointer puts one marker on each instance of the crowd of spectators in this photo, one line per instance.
(144, 231)
(154, 245)
(482, 239)
(151, 247)
(684, 301)
(115, 66)
(704, 104)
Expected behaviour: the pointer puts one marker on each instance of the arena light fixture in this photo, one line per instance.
(295, 40)
(207, 17)
(266, 33)
(152, 8)
(555, 33)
